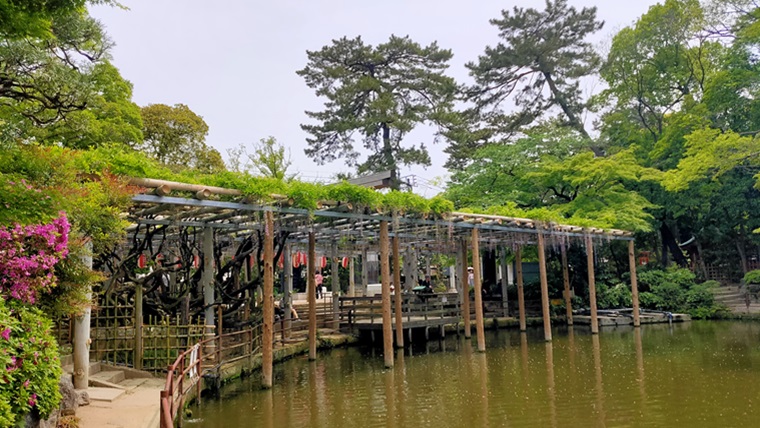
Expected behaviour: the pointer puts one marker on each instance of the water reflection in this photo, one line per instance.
(550, 386)
(700, 376)
(599, 385)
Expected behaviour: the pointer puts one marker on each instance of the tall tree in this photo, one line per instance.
(175, 136)
(44, 79)
(379, 92)
(269, 159)
(539, 66)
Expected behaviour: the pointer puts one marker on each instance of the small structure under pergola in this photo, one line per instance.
(277, 229)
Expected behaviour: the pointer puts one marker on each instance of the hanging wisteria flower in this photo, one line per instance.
(28, 255)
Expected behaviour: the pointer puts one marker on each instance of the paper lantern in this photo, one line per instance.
(296, 260)
(323, 262)
(142, 261)
(344, 262)
(281, 262)
(196, 261)
(304, 258)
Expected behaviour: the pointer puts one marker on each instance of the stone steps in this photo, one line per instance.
(734, 299)
(107, 383)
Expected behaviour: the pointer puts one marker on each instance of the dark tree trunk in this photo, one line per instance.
(669, 241)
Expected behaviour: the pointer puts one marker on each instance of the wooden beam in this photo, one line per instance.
(502, 263)
(385, 274)
(351, 275)
(397, 293)
(287, 307)
(634, 284)
(311, 293)
(268, 335)
(566, 282)
(591, 285)
(335, 279)
(544, 288)
(478, 292)
(520, 287)
(465, 290)
(81, 341)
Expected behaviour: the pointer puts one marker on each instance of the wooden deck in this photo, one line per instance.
(419, 311)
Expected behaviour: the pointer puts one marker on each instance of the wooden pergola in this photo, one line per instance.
(341, 229)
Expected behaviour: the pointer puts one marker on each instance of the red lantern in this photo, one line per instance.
(196, 261)
(304, 258)
(142, 261)
(281, 262)
(323, 262)
(296, 260)
(344, 262)
(160, 259)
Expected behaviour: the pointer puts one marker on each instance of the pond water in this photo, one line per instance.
(698, 374)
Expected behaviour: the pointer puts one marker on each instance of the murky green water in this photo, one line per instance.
(699, 374)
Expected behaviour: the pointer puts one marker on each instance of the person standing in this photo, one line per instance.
(318, 289)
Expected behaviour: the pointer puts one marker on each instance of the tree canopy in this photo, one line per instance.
(380, 93)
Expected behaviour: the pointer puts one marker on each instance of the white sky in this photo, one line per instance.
(233, 62)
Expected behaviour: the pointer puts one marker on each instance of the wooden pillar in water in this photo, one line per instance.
(566, 282)
(465, 290)
(478, 291)
(81, 351)
(311, 290)
(504, 274)
(544, 288)
(591, 285)
(268, 301)
(385, 274)
(397, 293)
(520, 288)
(634, 284)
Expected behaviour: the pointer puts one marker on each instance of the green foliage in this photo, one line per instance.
(33, 18)
(611, 297)
(675, 290)
(358, 195)
(268, 159)
(176, 137)
(752, 277)
(380, 93)
(29, 353)
(44, 79)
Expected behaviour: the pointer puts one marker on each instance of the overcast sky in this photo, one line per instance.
(233, 62)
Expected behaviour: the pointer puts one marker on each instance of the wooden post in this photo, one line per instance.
(351, 277)
(207, 276)
(385, 273)
(478, 291)
(408, 280)
(504, 274)
(335, 279)
(634, 284)
(465, 290)
(520, 289)
(138, 356)
(312, 296)
(591, 285)
(287, 267)
(365, 272)
(397, 293)
(544, 288)
(268, 335)
(82, 334)
(566, 281)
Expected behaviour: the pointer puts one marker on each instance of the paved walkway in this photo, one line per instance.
(138, 408)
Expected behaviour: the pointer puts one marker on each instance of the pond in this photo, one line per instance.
(698, 374)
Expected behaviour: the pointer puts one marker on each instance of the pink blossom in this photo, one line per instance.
(6, 334)
(26, 383)
(33, 399)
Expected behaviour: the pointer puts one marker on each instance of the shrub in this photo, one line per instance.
(29, 353)
(752, 277)
(617, 296)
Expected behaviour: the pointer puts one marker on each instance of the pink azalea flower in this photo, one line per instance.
(6, 334)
